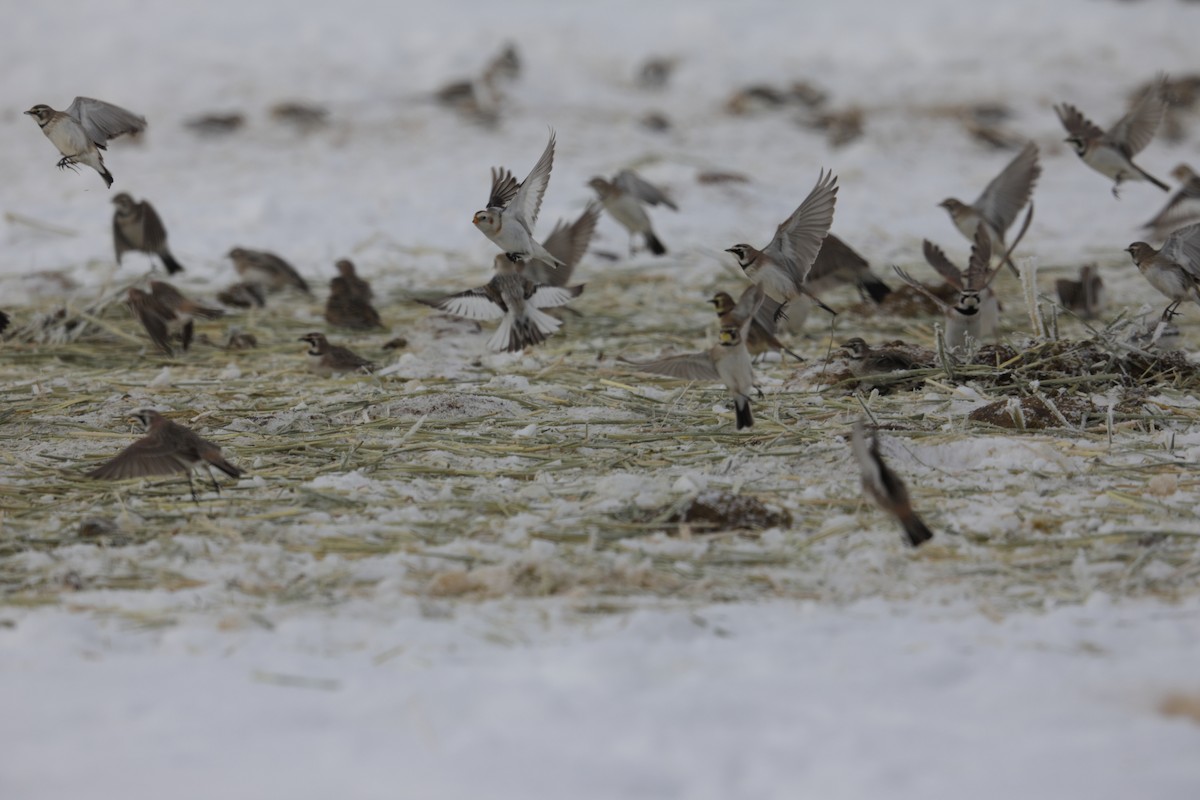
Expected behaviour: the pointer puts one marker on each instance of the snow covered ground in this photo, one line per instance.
(347, 622)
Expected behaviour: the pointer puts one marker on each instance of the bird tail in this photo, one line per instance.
(875, 288)
(172, 266)
(656, 247)
(104, 173)
(1151, 178)
(223, 465)
(915, 530)
(189, 328)
(745, 417)
(516, 332)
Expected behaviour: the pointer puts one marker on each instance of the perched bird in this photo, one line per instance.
(1184, 205)
(567, 243)
(782, 267)
(325, 359)
(349, 303)
(216, 124)
(761, 336)
(1111, 152)
(976, 312)
(267, 269)
(1175, 268)
(516, 301)
(512, 210)
(868, 363)
(136, 227)
(243, 295)
(884, 486)
(166, 449)
(1002, 200)
(623, 197)
(727, 361)
(83, 130)
(1086, 295)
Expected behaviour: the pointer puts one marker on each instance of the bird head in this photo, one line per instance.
(123, 201)
(953, 205)
(856, 347)
(1078, 143)
(146, 417)
(486, 220)
(1183, 173)
(968, 303)
(1139, 251)
(345, 268)
(744, 254)
(40, 112)
(317, 341)
(723, 302)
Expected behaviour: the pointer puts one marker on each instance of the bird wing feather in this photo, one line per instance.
(1008, 192)
(103, 121)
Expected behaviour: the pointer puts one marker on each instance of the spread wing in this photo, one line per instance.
(154, 235)
(978, 266)
(153, 315)
(504, 188)
(937, 301)
(630, 182)
(937, 259)
(1183, 247)
(148, 456)
(1076, 123)
(120, 243)
(568, 243)
(747, 305)
(799, 237)
(1009, 191)
(281, 267)
(1188, 193)
(1133, 132)
(688, 367)
(476, 303)
(837, 257)
(103, 121)
(528, 200)
(550, 296)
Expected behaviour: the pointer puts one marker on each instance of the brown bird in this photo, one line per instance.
(884, 486)
(1086, 295)
(136, 227)
(349, 303)
(1001, 201)
(243, 295)
(623, 198)
(567, 242)
(166, 449)
(4, 321)
(325, 359)
(872, 365)
(1175, 268)
(160, 321)
(83, 130)
(761, 336)
(267, 269)
(184, 309)
(1184, 205)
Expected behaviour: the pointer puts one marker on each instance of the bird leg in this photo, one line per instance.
(1170, 313)
(516, 258)
(1116, 188)
(67, 162)
(192, 488)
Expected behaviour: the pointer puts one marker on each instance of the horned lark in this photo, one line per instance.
(267, 269)
(136, 227)
(165, 312)
(325, 359)
(166, 449)
(871, 365)
(782, 267)
(976, 312)
(1111, 152)
(83, 130)
(243, 295)
(761, 336)
(515, 300)
(1175, 268)
(1002, 200)
(1184, 205)
(837, 262)
(512, 210)
(567, 243)
(349, 303)
(1084, 296)
(623, 197)
(727, 361)
(884, 486)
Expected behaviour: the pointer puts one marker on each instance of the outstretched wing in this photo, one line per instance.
(937, 259)
(688, 367)
(799, 237)
(472, 304)
(551, 296)
(747, 305)
(1009, 191)
(568, 243)
(630, 182)
(504, 188)
(148, 456)
(937, 301)
(1183, 247)
(154, 235)
(1133, 132)
(980, 262)
(528, 200)
(1076, 123)
(103, 121)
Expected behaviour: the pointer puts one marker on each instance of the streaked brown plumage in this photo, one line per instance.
(761, 336)
(168, 448)
(884, 486)
(349, 303)
(243, 295)
(267, 269)
(159, 321)
(325, 359)
(567, 242)
(137, 227)
(623, 198)
(872, 365)
(1084, 296)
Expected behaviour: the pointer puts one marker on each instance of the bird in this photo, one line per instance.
(137, 227)
(5, 320)
(1111, 152)
(782, 267)
(165, 312)
(727, 361)
(349, 303)
(267, 269)
(243, 295)
(1174, 269)
(512, 210)
(83, 130)
(325, 359)
(976, 312)
(1184, 204)
(623, 198)
(513, 299)
(837, 263)
(166, 449)
(567, 242)
(884, 486)
(1001, 201)
(867, 362)
(761, 336)
(1086, 295)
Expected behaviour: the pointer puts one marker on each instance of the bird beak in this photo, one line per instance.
(29, 112)
(730, 250)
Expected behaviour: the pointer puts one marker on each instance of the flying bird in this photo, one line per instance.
(83, 130)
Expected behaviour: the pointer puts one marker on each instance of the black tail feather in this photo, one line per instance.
(875, 288)
(656, 247)
(745, 418)
(172, 266)
(915, 531)
(108, 178)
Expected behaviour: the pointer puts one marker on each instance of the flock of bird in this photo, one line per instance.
(531, 275)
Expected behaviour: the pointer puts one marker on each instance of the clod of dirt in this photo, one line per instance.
(714, 511)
